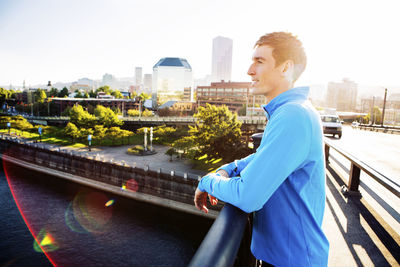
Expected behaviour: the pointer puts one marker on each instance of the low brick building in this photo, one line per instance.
(231, 94)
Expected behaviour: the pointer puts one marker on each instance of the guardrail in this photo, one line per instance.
(355, 170)
(189, 119)
(221, 244)
(380, 128)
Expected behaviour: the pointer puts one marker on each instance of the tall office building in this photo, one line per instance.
(342, 96)
(221, 68)
(171, 76)
(138, 76)
(147, 83)
(109, 80)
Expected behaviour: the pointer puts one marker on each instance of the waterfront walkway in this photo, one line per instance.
(155, 162)
(358, 235)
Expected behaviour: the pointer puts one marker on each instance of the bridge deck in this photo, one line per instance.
(358, 235)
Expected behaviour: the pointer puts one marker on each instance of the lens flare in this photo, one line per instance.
(31, 230)
(87, 213)
(131, 185)
(45, 242)
(71, 221)
(109, 203)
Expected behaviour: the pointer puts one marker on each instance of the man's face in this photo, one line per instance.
(264, 74)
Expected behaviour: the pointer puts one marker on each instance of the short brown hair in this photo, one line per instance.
(285, 47)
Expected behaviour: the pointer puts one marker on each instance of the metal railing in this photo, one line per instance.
(221, 244)
(380, 128)
(188, 119)
(355, 170)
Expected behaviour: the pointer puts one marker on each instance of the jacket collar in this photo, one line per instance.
(297, 93)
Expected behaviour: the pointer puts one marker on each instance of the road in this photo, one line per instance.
(380, 151)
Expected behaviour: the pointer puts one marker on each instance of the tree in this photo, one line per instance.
(53, 92)
(71, 131)
(170, 152)
(78, 94)
(81, 117)
(143, 96)
(4, 95)
(377, 115)
(133, 112)
(106, 89)
(117, 94)
(242, 110)
(99, 132)
(17, 122)
(84, 132)
(133, 94)
(113, 133)
(147, 113)
(66, 111)
(106, 116)
(92, 94)
(216, 133)
(63, 92)
(185, 145)
(40, 95)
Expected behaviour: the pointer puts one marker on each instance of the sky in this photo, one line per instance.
(64, 40)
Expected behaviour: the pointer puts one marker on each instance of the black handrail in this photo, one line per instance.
(356, 166)
(221, 244)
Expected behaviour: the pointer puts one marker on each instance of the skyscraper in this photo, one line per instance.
(171, 76)
(342, 95)
(138, 76)
(221, 68)
(147, 83)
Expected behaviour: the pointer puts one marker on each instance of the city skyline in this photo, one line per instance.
(91, 38)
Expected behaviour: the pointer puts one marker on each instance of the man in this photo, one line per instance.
(284, 181)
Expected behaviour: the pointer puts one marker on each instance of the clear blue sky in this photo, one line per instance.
(61, 40)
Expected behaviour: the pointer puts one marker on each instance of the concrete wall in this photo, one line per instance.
(169, 189)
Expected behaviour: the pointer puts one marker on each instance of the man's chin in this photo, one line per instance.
(254, 91)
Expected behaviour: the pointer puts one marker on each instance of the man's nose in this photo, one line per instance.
(250, 70)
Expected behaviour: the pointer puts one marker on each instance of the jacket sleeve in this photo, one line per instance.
(234, 168)
(285, 149)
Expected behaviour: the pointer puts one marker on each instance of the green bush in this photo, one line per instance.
(135, 150)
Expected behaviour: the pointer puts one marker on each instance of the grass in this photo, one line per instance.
(136, 139)
(207, 164)
(65, 141)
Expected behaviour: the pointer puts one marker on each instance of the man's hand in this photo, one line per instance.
(200, 200)
(200, 197)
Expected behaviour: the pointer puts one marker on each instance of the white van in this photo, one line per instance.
(332, 125)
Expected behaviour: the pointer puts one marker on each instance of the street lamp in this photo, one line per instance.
(384, 106)
(145, 139)
(89, 138)
(151, 138)
(40, 133)
(9, 127)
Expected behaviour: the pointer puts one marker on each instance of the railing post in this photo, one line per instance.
(326, 153)
(354, 179)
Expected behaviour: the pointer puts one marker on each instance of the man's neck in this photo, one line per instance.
(283, 87)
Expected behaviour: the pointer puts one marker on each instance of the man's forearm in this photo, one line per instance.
(223, 173)
(234, 168)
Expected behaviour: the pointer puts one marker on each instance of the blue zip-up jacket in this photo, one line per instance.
(284, 183)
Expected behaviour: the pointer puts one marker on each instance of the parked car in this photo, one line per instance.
(332, 125)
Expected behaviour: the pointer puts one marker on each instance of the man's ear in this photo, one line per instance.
(288, 70)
